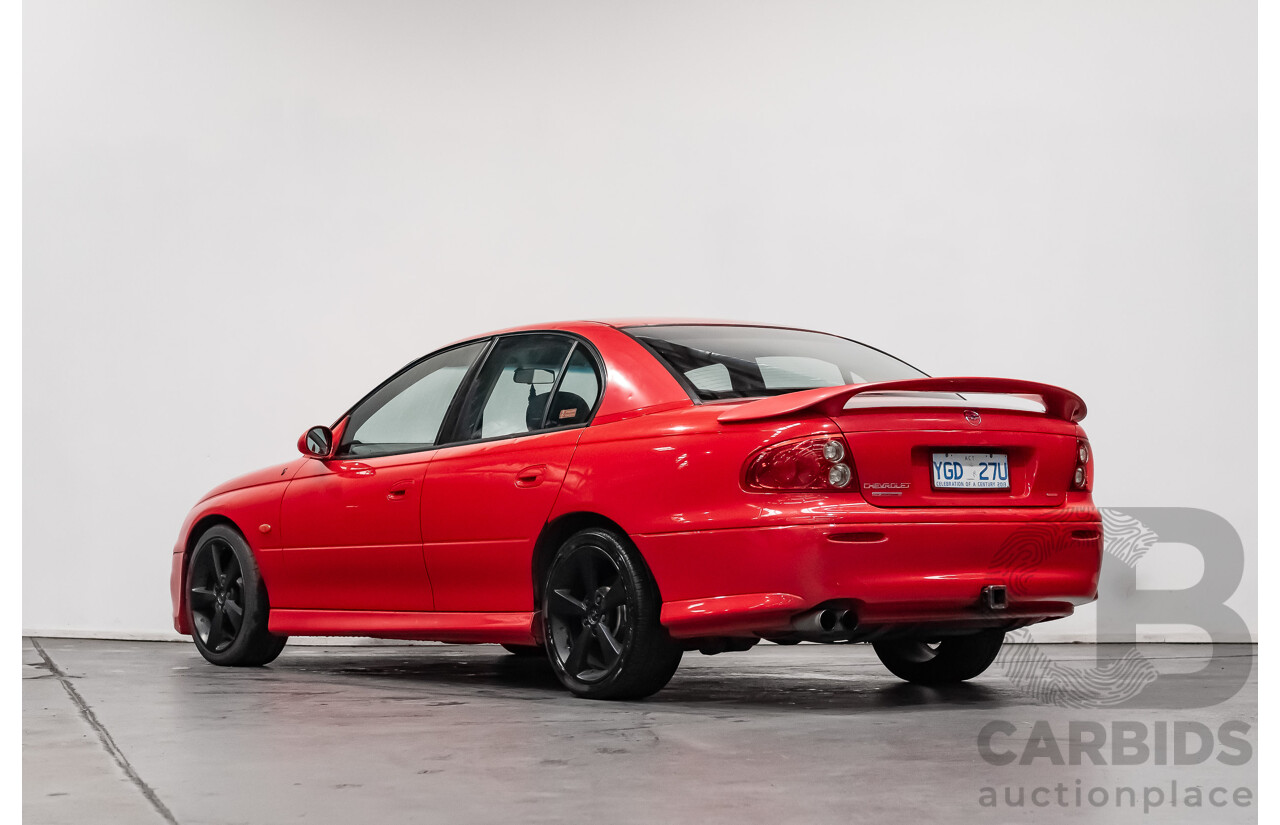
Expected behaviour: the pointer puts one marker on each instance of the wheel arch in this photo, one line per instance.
(193, 535)
(557, 531)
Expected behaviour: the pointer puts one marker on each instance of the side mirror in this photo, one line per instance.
(316, 442)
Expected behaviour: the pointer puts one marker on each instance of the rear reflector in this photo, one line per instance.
(867, 537)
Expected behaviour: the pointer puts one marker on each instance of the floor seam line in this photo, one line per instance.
(104, 736)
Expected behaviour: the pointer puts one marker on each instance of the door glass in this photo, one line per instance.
(510, 393)
(405, 415)
(578, 392)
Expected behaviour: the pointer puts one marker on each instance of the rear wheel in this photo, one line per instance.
(600, 610)
(947, 661)
(227, 602)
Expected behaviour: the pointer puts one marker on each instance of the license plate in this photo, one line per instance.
(971, 471)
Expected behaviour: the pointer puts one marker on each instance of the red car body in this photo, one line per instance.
(448, 543)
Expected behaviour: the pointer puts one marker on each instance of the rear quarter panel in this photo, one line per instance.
(681, 470)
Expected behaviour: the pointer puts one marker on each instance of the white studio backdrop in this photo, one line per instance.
(239, 217)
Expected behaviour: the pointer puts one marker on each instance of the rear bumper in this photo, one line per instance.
(894, 576)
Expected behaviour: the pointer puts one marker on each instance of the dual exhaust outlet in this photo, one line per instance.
(826, 620)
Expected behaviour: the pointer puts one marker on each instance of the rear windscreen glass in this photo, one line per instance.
(718, 362)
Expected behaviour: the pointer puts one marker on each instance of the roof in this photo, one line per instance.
(618, 323)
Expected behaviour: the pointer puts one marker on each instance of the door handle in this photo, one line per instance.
(400, 490)
(531, 476)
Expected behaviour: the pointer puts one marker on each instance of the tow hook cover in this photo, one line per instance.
(995, 597)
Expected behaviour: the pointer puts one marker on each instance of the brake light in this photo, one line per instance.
(816, 463)
(1082, 479)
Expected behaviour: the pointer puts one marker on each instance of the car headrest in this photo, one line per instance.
(567, 409)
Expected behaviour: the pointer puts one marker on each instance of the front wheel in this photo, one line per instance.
(600, 613)
(950, 660)
(227, 602)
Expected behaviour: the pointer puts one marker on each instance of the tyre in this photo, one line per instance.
(227, 602)
(953, 659)
(525, 651)
(600, 611)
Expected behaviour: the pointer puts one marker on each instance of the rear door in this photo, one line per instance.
(487, 496)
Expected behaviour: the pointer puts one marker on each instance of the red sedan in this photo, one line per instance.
(611, 495)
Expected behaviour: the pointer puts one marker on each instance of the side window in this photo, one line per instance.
(510, 393)
(579, 390)
(405, 415)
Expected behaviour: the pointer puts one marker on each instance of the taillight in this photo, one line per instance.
(816, 463)
(1082, 479)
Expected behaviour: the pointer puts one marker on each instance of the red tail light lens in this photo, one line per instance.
(1082, 479)
(817, 463)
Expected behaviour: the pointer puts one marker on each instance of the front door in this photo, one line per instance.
(486, 499)
(351, 525)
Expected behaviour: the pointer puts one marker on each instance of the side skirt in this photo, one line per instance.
(500, 628)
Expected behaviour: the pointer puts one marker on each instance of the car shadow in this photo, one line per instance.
(773, 683)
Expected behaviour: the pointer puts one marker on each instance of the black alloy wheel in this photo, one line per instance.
(600, 612)
(227, 602)
(217, 595)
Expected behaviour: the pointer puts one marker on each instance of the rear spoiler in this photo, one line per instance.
(1058, 403)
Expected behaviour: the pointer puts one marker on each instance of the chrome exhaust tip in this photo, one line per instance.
(826, 620)
(822, 620)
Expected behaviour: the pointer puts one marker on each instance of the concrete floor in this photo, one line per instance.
(144, 732)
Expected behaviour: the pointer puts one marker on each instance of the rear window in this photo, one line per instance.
(719, 362)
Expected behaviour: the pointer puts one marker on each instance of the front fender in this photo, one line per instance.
(253, 510)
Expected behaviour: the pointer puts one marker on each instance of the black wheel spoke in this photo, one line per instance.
(215, 630)
(235, 615)
(564, 604)
(608, 644)
(578, 653)
(614, 597)
(217, 562)
(203, 595)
